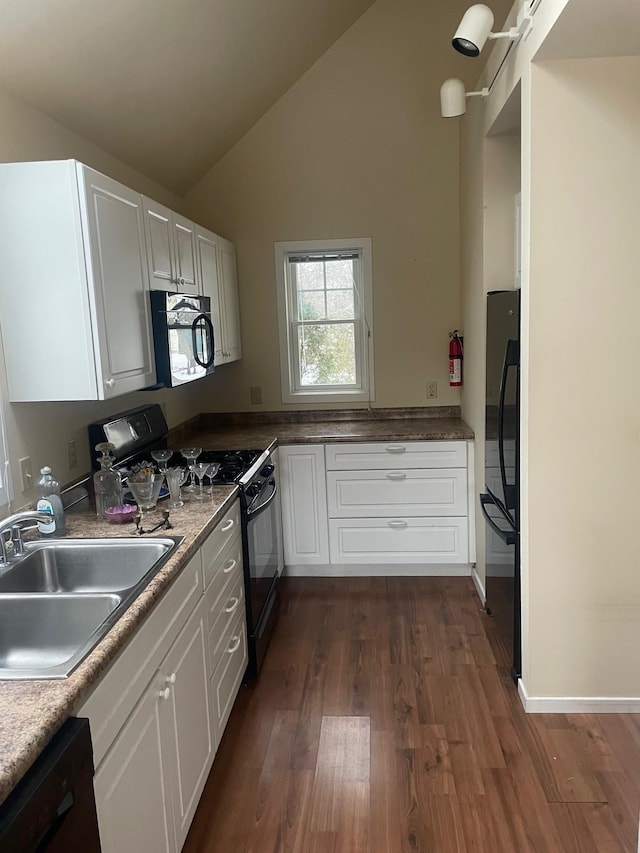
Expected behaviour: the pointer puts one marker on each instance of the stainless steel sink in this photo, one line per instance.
(62, 596)
(84, 565)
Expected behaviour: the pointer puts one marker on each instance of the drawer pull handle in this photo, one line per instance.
(232, 605)
(227, 525)
(396, 448)
(164, 694)
(398, 524)
(230, 566)
(171, 679)
(396, 475)
(234, 645)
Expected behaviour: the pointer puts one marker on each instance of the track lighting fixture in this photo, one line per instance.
(453, 97)
(475, 29)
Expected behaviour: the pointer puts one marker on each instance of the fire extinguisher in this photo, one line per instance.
(455, 358)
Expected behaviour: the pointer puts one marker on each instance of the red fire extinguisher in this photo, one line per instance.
(455, 358)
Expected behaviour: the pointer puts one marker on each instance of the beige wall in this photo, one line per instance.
(41, 430)
(584, 422)
(356, 148)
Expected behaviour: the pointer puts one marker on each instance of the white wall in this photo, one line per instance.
(41, 430)
(584, 424)
(356, 148)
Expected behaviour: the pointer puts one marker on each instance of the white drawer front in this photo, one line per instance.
(414, 492)
(225, 611)
(228, 565)
(227, 677)
(409, 454)
(224, 532)
(399, 540)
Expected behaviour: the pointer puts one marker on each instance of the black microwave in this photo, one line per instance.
(183, 337)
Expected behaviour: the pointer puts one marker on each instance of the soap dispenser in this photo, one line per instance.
(49, 500)
(107, 482)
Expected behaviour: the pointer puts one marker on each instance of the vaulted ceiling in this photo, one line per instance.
(168, 87)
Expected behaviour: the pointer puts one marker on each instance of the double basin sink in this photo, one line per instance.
(59, 600)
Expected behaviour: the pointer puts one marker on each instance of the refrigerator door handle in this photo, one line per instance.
(507, 536)
(511, 359)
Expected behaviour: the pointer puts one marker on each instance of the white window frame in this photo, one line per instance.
(291, 393)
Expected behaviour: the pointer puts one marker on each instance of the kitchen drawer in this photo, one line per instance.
(228, 674)
(396, 455)
(228, 566)
(221, 615)
(120, 688)
(399, 540)
(224, 532)
(414, 492)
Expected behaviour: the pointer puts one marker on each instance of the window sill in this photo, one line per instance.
(329, 397)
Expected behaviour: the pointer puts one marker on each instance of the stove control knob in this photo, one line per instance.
(253, 490)
(267, 470)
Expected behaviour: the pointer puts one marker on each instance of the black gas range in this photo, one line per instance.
(136, 433)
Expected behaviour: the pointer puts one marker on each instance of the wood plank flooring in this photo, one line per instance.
(384, 721)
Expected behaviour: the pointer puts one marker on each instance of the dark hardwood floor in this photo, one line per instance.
(384, 720)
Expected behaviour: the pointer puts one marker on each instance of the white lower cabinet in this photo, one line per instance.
(159, 712)
(353, 507)
(162, 755)
(304, 505)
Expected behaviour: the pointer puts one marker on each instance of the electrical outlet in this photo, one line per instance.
(26, 473)
(256, 394)
(72, 459)
(432, 388)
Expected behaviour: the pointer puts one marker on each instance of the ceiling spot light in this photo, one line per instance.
(475, 29)
(453, 98)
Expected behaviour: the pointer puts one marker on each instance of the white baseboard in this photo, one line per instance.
(578, 704)
(478, 585)
(372, 570)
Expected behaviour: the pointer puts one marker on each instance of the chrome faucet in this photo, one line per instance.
(11, 545)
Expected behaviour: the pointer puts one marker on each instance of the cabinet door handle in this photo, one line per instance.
(171, 679)
(230, 566)
(395, 448)
(110, 382)
(164, 694)
(396, 475)
(231, 604)
(227, 525)
(397, 524)
(234, 645)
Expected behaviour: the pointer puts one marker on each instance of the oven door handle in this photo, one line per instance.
(253, 511)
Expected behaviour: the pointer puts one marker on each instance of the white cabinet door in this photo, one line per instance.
(230, 305)
(171, 249)
(184, 242)
(73, 241)
(117, 268)
(304, 505)
(187, 729)
(207, 266)
(216, 268)
(131, 784)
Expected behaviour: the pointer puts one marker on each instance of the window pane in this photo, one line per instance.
(311, 305)
(339, 274)
(340, 305)
(327, 355)
(310, 276)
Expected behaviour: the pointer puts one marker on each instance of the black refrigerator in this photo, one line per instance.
(499, 501)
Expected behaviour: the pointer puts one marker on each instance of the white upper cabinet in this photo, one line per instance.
(171, 249)
(216, 272)
(74, 300)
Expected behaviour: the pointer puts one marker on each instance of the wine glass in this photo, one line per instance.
(176, 478)
(200, 469)
(191, 454)
(162, 457)
(145, 489)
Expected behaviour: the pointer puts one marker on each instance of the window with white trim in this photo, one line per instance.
(325, 317)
